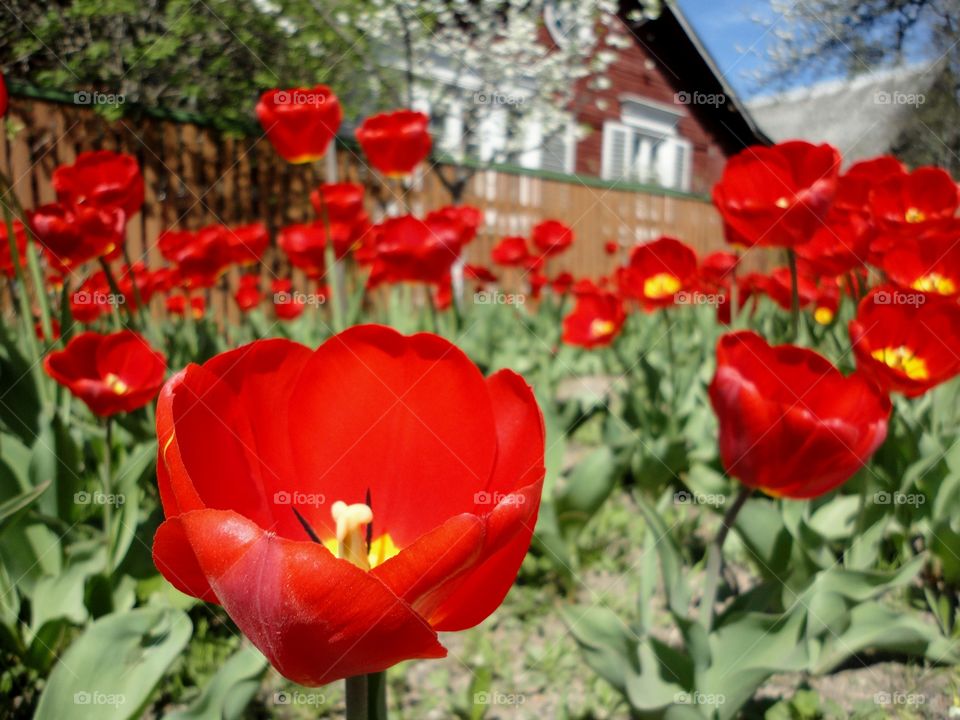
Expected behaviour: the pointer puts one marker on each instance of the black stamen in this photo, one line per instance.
(306, 525)
(370, 526)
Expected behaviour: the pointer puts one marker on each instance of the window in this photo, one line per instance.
(645, 146)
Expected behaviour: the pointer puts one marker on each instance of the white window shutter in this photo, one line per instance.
(615, 163)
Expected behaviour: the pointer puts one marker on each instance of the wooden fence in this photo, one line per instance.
(195, 175)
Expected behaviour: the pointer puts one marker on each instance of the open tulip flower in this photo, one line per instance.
(103, 179)
(923, 198)
(396, 142)
(341, 504)
(75, 234)
(657, 271)
(511, 251)
(777, 196)
(791, 424)
(110, 373)
(907, 341)
(596, 318)
(551, 237)
(300, 122)
(929, 263)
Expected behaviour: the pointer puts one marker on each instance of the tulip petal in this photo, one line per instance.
(316, 618)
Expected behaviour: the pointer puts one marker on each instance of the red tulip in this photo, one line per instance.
(657, 271)
(450, 510)
(479, 273)
(75, 234)
(611, 248)
(510, 252)
(596, 318)
(562, 283)
(110, 373)
(287, 304)
(300, 122)
(903, 202)
(465, 217)
(103, 179)
(791, 424)
(247, 243)
(395, 142)
(928, 263)
(409, 249)
(907, 341)
(202, 256)
(855, 185)
(248, 294)
(777, 196)
(779, 288)
(827, 302)
(551, 237)
(840, 245)
(717, 268)
(305, 245)
(338, 202)
(20, 238)
(177, 305)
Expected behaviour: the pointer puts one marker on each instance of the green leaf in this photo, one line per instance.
(607, 644)
(589, 485)
(110, 670)
(231, 689)
(56, 458)
(14, 505)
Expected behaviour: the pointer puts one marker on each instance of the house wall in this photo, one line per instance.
(637, 71)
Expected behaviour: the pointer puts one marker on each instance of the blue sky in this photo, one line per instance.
(736, 41)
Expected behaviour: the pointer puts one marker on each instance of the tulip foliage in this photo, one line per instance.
(359, 453)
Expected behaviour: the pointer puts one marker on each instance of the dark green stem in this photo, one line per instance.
(715, 558)
(794, 295)
(358, 701)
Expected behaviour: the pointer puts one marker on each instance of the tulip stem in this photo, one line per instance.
(107, 490)
(794, 295)
(358, 701)
(715, 558)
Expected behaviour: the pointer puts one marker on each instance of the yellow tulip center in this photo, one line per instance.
(115, 384)
(601, 328)
(914, 215)
(935, 283)
(660, 286)
(350, 542)
(903, 360)
(782, 203)
(823, 315)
